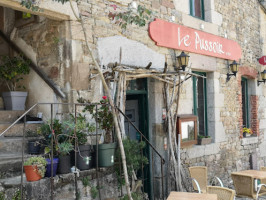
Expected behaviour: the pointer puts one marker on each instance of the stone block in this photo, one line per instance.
(123, 2)
(167, 4)
(202, 63)
(76, 50)
(182, 5)
(195, 23)
(80, 76)
(214, 17)
(133, 53)
(249, 141)
(156, 5)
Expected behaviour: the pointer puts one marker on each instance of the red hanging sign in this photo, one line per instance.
(262, 60)
(179, 37)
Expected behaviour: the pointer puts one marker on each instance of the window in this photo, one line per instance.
(197, 8)
(200, 103)
(245, 103)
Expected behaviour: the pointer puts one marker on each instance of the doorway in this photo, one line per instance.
(136, 110)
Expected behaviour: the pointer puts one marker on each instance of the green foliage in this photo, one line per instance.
(54, 130)
(82, 128)
(11, 71)
(16, 196)
(135, 196)
(64, 148)
(139, 17)
(93, 189)
(203, 136)
(31, 5)
(63, 134)
(39, 161)
(134, 157)
(86, 181)
(94, 192)
(103, 115)
(2, 196)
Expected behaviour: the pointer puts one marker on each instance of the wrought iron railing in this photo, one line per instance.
(76, 106)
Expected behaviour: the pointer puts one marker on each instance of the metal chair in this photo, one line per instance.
(263, 181)
(199, 178)
(245, 186)
(222, 192)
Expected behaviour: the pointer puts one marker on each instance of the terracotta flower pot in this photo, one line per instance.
(31, 172)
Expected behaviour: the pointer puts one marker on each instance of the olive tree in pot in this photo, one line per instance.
(103, 115)
(12, 70)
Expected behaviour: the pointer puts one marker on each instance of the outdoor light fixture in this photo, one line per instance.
(183, 60)
(263, 77)
(234, 68)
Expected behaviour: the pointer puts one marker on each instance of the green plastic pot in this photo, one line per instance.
(106, 154)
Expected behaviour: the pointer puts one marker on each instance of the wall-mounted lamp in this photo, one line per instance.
(183, 60)
(263, 77)
(234, 67)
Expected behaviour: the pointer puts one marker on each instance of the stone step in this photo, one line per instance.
(10, 115)
(17, 129)
(12, 144)
(10, 164)
(13, 181)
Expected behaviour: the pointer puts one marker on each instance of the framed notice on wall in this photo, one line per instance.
(187, 128)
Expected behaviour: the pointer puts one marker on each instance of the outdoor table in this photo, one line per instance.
(256, 174)
(191, 196)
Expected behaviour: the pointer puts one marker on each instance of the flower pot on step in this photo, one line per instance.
(34, 147)
(31, 172)
(85, 157)
(48, 172)
(64, 165)
(14, 100)
(106, 154)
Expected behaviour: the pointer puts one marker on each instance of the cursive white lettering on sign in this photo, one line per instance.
(206, 45)
(184, 39)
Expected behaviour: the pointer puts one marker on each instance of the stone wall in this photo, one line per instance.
(69, 64)
(64, 186)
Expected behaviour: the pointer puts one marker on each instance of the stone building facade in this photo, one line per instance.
(55, 43)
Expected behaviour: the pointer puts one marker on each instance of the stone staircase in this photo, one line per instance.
(11, 144)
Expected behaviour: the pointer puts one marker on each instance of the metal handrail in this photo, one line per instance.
(77, 104)
(142, 135)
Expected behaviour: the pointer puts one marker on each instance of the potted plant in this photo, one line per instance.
(247, 132)
(106, 148)
(35, 168)
(202, 139)
(34, 144)
(84, 152)
(135, 161)
(64, 150)
(12, 70)
(52, 130)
